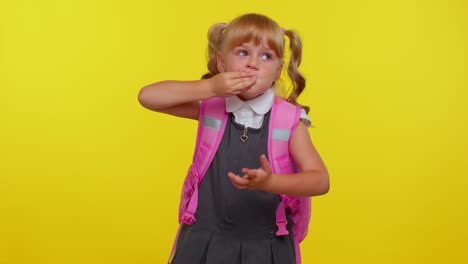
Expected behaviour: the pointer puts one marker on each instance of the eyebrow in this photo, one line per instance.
(246, 45)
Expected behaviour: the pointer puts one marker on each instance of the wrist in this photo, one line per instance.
(208, 87)
(269, 185)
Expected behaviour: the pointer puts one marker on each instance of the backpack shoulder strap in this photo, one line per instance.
(211, 124)
(212, 121)
(283, 122)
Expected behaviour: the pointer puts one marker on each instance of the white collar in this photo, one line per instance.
(260, 104)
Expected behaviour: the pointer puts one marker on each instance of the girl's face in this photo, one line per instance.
(258, 59)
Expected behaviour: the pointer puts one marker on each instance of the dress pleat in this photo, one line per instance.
(193, 248)
(256, 251)
(229, 248)
(283, 250)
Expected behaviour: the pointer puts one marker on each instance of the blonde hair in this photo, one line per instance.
(256, 27)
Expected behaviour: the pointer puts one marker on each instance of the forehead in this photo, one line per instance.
(266, 34)
(263, 44)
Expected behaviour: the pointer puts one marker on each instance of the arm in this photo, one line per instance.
(181, 98)
(311, 181)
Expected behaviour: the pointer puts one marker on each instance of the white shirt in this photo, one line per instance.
(250, 113)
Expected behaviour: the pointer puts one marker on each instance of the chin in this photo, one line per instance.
(248, 96)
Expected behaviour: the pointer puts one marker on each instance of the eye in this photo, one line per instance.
(267, 56)
(242, 53)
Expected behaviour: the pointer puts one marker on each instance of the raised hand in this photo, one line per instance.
(231, 83)
(254, 179)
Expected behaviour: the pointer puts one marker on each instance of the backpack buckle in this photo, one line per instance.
(282, 231)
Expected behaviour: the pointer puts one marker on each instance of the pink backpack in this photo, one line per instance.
(212, 121)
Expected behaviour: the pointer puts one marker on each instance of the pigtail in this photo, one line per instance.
(214, 41)
(298, 81)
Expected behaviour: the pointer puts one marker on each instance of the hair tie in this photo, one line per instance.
(282, 30)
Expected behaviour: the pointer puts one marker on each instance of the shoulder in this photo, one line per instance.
(212, 105)
(285, 105)
(293, 110)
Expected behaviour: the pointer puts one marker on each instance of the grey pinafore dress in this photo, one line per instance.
(232, 225)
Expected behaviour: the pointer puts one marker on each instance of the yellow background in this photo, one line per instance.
(89, 176)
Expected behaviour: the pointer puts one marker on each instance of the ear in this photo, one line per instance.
(220, 62)
(278, 71)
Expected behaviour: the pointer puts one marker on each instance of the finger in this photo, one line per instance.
(265, 164)
(250, 174)
(243, 83)
(240, 187)
(239, 182)
(236, 75)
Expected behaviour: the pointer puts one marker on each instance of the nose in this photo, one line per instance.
(253, 63)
